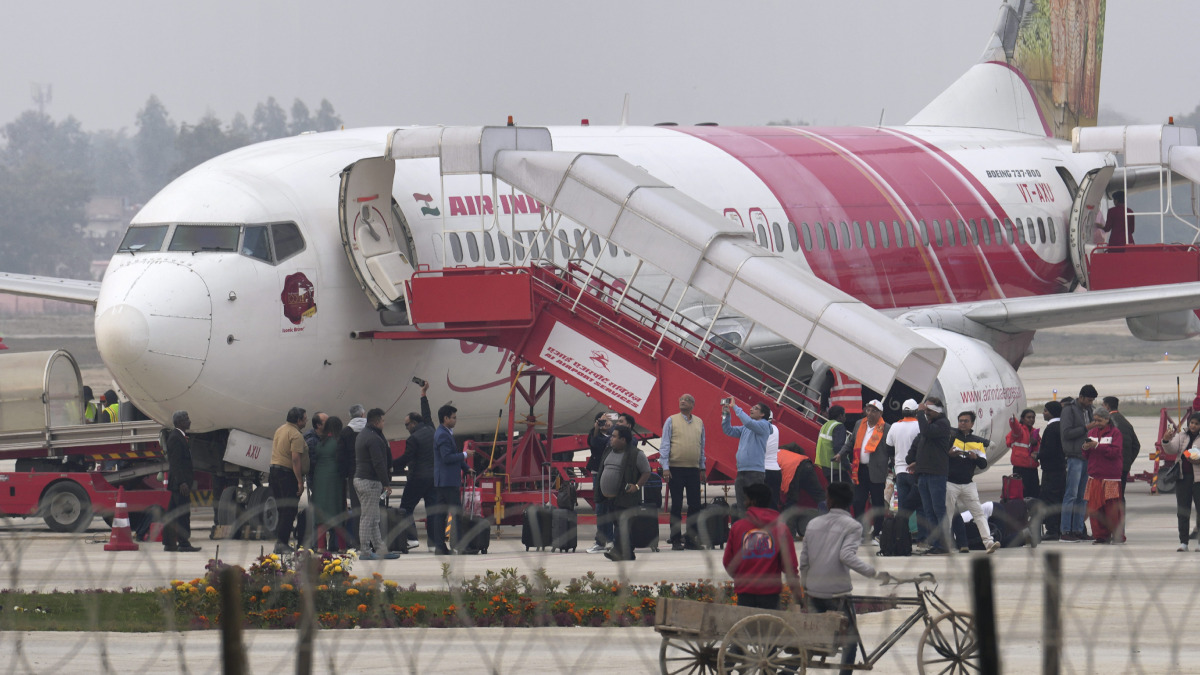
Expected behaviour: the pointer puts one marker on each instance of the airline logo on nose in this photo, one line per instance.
(428, 209)
(299, 299)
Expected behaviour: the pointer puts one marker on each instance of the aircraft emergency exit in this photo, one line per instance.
(236, 289)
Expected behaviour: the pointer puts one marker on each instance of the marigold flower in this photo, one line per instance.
(351, 591)
(323, 587)
(362, 608)
(266, 589)
(288, 587)
(210, 590)
(254, 598)
(390, 584)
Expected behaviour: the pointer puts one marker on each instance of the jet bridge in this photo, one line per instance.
(616, 336)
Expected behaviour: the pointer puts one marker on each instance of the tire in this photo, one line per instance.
(679, 655)
(262, 510)
(761, 643)
(227, 508)
(66, 507)
(949, 645)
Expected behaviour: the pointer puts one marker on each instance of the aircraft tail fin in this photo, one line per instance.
(1040, 72)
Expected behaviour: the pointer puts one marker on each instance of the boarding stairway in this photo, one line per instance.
(616, 337)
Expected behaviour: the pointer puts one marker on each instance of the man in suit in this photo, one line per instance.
(177, 531)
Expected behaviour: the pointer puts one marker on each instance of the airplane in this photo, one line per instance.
(236, 288)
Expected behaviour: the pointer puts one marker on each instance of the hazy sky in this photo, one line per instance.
(550, 62)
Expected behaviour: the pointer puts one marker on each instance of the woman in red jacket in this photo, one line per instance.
(1103, 452)
(1023, 441)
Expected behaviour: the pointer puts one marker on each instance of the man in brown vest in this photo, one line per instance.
(682, 459)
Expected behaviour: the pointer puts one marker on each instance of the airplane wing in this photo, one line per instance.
(50, 288)
(1014, 315)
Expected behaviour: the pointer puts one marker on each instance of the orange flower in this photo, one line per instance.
(352, 591)
(362, 608)
(266, 589)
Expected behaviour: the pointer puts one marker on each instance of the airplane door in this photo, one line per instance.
(1083, 217)
(374, 235)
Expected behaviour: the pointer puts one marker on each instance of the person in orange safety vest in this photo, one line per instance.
(871, 460)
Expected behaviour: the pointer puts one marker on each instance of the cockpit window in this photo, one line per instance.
(205, 238)
(288, 240)
(143, 238)
(256, 244)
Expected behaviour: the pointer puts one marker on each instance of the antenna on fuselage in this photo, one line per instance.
(625, 111)
(881, 112)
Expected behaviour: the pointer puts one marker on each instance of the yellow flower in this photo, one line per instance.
(210, 590)
(322, 587)
(273, 556)
(351, 591)
(390, 584)
(193, 589)
(288, 587)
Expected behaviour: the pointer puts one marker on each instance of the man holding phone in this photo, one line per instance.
(752, 438)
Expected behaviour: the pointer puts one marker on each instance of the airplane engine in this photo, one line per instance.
(975, 377)
(1166, 326)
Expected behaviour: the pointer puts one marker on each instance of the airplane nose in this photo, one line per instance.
(153, 327)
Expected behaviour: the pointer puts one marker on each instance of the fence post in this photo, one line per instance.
(308, 620)
(983, 602)
(1051, 616)
(233, 652)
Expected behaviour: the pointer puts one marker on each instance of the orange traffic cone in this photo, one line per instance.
(121, 538)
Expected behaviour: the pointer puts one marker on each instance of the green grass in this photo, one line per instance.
(105, 611)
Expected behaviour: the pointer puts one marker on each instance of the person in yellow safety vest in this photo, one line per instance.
(831, 439)
(111, 411)
(871, 459)
(90, 409)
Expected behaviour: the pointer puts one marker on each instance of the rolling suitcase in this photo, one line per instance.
(894, 537)
(469, 534)
(708, 527)
(564, 530)
(397, 528)
(537, 527)
(652, 493)
(1013, 489)
(639, 527)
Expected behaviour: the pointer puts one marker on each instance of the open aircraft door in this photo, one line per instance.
(374, 235)
(1083, 218)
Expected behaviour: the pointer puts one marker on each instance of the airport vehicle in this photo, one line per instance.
(57, 458)
(920, 258)
(702, 637)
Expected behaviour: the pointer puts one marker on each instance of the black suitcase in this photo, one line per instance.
(470, 534)
(652, 491)
(639, 526)
(537, 526)
(564, 530)
(894, 537)
(708, 527)
(397, 528)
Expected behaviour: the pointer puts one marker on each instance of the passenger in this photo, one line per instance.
(1054, 470)
(968, 452)
(1117, 223)
(1074, 427)
(177, 525)
(1187, 490)
(623, 472)
(760, 548)
(418, 458)
(831, 439)
(1132, 446)
(346, 456)
(929, 459)
(799, 476)
(289, 464)
(328, 501)
(871, 459)
(901, 437)
(371, 480)
(774, 477)
(1102, 450)
(1023, 443)
(314, 435)
(447, 473)
(752, 438)
(90, 409)
(599, 438)
(681, 455)
(830, 551)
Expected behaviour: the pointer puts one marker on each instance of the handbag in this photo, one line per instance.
(1168, 476)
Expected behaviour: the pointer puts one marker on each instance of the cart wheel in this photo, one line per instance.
(761, 644)
(679, 655)
(948, 645)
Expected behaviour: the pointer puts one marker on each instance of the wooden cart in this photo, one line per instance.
(704, 637)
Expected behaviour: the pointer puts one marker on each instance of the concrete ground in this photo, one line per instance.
(1125, 608)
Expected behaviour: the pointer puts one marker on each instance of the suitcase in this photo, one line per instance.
(537, 527)
(470, 535)
(1013, 489)
(639, 526)
(1013, 519)
(894, 537)
(397, 528)
(708, 527)
(652, 494)
(564, 530)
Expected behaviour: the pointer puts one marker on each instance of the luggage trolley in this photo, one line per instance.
(701, 637)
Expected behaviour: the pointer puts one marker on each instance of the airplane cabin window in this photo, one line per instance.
(923, 229)
(898, 234)
(761, 237)
(215, 238)
(596, 246)
(794, 235)
(883, 235)
(580, 248)
(287, 239)
(975, 233)
(1030, 234)
(144, 238)
(966, 237)
(612, 249)
(1041, 230)
(1014, 233)
(778, 236)
(256, 244)
(819, 233)
(808, 242)
(833, 236)
(502, 242)
(564, 246)
(455, 247)
(912, 234)
(1050, 226)
(870, 234)
(937, 233)
(858, 238)
(844, 240)
(950, 233)
(489, 249)
(472, 247)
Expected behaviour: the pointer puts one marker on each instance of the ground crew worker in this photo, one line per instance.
(831, 440)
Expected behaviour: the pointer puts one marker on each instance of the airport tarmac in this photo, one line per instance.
(1125, 608)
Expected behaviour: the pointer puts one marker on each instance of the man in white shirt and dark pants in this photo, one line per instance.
(901, 436)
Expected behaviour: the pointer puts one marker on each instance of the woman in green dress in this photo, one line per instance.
(328, 500)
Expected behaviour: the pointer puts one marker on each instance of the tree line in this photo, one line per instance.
(50, 169)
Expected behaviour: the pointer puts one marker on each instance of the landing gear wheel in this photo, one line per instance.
(948, 645)
(761, 644)
(263, 511)
(678, 656)
(227, 508)
(66, 507)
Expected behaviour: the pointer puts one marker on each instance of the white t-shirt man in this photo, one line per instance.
(901, 436)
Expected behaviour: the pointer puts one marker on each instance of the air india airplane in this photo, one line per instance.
(237, 289)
